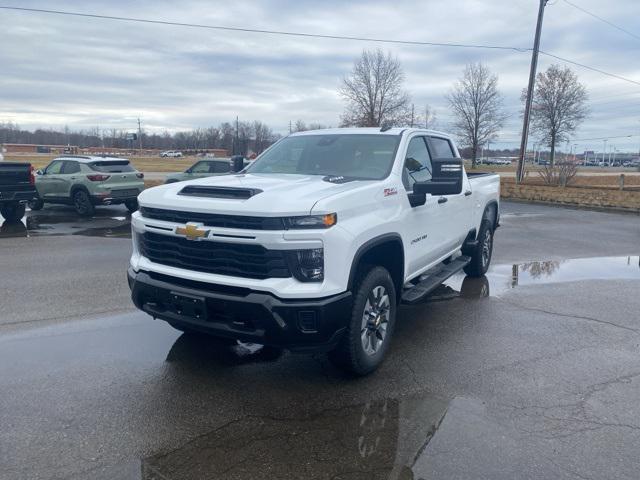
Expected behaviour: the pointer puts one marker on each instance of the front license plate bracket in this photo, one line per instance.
(188, 305)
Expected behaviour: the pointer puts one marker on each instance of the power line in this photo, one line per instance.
(269, 32)
(604, 138)
(611, 24)
(311, 35)
(593, 69)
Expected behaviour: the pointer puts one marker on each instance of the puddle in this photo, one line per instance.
(61, 220)
(380, 439)
(502, 278)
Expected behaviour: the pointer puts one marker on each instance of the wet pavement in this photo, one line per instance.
(111, 221)
(530, 372)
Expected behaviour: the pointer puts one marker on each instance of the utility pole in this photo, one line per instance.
(289, 127)
(532, 81)
(236, 146)
(139, 138)
(604, 152)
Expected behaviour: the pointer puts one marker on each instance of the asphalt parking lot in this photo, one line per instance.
(531, 372)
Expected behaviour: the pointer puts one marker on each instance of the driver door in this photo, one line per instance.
(47, 183)
(424, 223)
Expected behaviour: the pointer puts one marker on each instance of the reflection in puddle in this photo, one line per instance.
(502, 278)
(64, 221)
(380, 439)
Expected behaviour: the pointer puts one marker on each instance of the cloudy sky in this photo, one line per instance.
(80, 72)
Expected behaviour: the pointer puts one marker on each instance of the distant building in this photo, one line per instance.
(36, 148)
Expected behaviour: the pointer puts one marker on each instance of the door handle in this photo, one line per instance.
(467, 193)
(72, 178)
(442, 200)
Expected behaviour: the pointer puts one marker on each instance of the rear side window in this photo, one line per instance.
(441, 147)
(220, 167)
(115, 166)
(70, 167)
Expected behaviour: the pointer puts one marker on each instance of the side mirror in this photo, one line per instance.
(237, 163)
(446, 178)
(39, 172)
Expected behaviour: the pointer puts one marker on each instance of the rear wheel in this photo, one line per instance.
(365, 343)
(36, 204)
(82, 203)
(132, 205)
(12, 212)
(481, 254)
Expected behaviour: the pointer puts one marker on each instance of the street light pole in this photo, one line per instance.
(532, 81)
(604, 152)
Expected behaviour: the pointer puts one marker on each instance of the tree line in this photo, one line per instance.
(240, 137)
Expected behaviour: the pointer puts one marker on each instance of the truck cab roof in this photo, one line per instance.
(371, 131)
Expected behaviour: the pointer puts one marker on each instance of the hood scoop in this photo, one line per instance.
(338, 179)
(219, 192)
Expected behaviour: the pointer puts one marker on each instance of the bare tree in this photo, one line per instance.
(374, 91)
(430, 118)
(300, 126)
(559, 105)
(476, 105)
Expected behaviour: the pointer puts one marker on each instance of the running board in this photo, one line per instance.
(433, 278)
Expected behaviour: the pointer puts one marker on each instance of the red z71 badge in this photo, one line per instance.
(390, 191)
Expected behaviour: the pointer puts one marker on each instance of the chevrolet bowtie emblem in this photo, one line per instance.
(192, 231)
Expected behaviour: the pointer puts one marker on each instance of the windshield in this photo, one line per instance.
(367, 157)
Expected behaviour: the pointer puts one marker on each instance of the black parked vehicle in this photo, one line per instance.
(17, 187)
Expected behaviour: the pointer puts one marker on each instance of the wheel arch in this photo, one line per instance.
(76, 188)
(492, 213)
(386, 251)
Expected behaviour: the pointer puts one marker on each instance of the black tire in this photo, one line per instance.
(12, 212)
(82, 203)
(132, 205)
(366, 341)
(36, 204)
(481, 254)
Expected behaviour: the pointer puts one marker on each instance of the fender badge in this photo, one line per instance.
(390, 191)
(192, 231)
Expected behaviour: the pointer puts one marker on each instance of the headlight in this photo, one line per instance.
(312, 221)
(307, 265)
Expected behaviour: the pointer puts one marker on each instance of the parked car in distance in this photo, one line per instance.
(17, 187)
(88, 181)
(171, 154)
(200, 169)
(315, 244)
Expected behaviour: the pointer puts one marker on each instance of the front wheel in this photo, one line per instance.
(36, 204)
(82, 203)
(132, 205)
(482, 252)
(13, 212)
(373, 315)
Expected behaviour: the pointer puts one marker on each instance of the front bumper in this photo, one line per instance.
(301, 325)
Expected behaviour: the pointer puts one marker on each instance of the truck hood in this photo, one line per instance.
(275, 194)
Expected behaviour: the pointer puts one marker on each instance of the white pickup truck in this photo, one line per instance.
(314, 245)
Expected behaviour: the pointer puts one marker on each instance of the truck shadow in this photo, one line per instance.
(199, 351)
